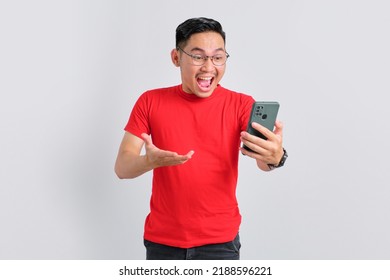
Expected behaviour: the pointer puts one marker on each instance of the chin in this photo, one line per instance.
(205, 93)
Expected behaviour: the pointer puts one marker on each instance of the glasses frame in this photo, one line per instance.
(205, 58)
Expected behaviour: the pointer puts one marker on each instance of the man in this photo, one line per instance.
(192, 134)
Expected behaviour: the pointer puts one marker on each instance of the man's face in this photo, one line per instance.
(200, 80)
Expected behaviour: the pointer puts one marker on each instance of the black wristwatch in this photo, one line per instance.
(281, 162)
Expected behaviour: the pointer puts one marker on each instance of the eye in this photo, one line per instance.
(218, 58)
(198, 58)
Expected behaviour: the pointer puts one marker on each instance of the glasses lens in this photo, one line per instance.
(219, 60)
(198, 60)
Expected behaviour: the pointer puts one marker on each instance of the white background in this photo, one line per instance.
(70, 72)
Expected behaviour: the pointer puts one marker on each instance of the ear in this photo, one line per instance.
(175, 57)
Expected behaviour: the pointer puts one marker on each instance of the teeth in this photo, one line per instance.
(205, 78)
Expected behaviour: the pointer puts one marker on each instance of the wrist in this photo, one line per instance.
(281, 161)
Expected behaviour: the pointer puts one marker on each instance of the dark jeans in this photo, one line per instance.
(222, 251)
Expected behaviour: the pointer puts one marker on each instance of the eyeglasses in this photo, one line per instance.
(199, 60)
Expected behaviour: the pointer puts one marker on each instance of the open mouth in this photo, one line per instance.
(205, 82)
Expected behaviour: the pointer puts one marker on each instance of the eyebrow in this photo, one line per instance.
(202, 50)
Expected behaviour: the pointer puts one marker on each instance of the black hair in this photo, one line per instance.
(197, 25)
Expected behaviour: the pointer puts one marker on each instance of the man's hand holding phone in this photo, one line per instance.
(263, 139)
(267, 151)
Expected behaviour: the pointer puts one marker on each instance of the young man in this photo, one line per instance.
(192, 134)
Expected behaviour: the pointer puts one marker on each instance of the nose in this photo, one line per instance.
(208, 65)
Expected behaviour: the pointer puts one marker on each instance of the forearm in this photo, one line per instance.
(129, 166)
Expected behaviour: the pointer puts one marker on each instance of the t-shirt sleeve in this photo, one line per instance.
(246, 108)
(139, 118)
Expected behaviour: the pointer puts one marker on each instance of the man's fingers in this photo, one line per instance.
(163, 157)
(268, 133)
(262, 129)
(167, 154)
(278, 128)
(178, 159)
(190, 154)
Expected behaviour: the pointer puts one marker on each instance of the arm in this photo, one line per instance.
(131, 164)
(268, 151)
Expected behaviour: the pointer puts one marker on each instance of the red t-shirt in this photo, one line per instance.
(195, 203)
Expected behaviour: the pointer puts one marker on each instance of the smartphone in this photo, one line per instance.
(264, 113)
